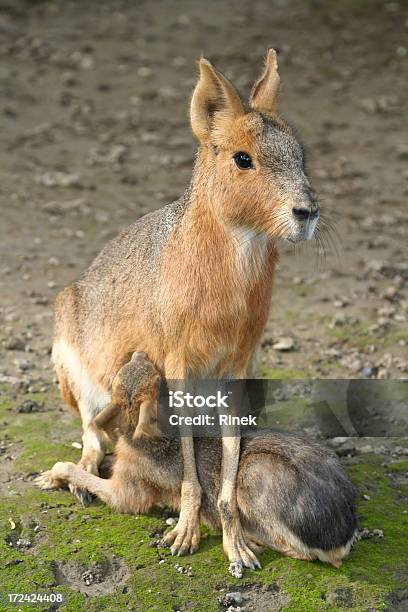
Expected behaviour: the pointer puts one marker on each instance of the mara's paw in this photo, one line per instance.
(184, 538)
(55, 478)
(239, 553)
(48, 482)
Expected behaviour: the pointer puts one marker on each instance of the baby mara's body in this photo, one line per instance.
(292, 494)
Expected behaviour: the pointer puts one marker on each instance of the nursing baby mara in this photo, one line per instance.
(292, 495)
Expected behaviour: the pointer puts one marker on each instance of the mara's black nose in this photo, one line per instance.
(304, 213)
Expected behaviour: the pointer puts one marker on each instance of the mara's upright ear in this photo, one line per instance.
(264, 95)
(212, 94)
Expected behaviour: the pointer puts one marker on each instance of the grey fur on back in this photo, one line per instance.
(312, 494)
(132, 259)
(141, 242)
(302, 482)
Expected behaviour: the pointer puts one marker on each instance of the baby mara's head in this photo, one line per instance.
(135, 390)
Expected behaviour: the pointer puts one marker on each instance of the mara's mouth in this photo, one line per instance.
(300, 231)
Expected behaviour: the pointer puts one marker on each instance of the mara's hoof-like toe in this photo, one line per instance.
(239, 553)
(84, 496)
(47, 482)
(184, 539)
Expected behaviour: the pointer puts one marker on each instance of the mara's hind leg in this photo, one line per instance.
(94, 440)
(90, 398)
(259, 507)
(285, 544)
(266, 515)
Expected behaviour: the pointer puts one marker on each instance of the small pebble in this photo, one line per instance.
(14, 344)
(29, 406)
(236, 569)
(284, 344)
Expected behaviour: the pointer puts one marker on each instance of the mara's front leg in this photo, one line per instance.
(185, 537)
(235, 546)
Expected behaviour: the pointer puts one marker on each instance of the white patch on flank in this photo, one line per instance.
(91, 397)
(333, 556)
(290, 538)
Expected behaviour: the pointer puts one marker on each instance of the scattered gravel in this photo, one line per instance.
(365, 534)
(59, 179)
(231, 599)
(187, 570)
(14, 344)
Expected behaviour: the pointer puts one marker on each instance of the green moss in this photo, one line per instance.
(6, 404)
(358, 335)
(287, 415)
(399, 466)
(61, 530)
(354, 336)
(45, 438)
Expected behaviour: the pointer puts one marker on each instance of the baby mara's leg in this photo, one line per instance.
(67, 473)
(133, 487)
(48, 480)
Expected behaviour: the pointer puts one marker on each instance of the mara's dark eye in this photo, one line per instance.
(243, 160)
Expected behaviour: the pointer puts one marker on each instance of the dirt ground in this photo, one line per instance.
(95, 133)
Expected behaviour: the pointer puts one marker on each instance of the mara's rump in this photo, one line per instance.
(292, 495)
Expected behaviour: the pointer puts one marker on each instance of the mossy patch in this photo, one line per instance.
(60, 531)
(360, 336)
(354, 336)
